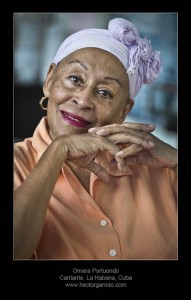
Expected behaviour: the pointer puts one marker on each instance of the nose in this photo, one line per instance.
(84, 99)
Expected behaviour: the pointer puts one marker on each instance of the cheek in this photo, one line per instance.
(57, 90)
(59, 94)
(108, 115)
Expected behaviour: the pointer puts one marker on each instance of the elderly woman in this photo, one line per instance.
(88, 185)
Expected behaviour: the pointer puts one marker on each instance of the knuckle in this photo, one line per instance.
(146, 137)
(127, 134)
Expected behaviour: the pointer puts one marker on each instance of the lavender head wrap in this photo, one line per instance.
(141, 61)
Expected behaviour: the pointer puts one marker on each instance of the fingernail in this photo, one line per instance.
(147, 143)
(94, 129)
(120, 153)
(100, 132)
(150, 143)
(121, 167)
(148, 127)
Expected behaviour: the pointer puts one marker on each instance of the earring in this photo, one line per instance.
(41, 103)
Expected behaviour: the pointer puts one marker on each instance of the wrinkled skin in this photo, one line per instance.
(88, 92)
(92, 84)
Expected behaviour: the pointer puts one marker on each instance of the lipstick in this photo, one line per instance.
(74, 119)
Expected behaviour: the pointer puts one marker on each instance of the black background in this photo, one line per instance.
(146, 274)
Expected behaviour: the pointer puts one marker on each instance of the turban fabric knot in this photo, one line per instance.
(142, 63)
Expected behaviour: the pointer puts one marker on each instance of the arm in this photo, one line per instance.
(31, 199)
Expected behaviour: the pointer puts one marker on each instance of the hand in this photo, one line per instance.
(140, 147)
(81, 149)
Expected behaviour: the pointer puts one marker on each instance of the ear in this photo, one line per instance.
(127, 109)
(48, 82)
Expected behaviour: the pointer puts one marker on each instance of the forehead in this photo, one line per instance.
(97, 58)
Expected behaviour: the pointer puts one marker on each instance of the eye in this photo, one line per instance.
(75, 80)
(105, 93)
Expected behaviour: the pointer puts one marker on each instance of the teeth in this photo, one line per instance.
(73, 118)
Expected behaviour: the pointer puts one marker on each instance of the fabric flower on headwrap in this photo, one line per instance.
(144, 64)
(141, 62)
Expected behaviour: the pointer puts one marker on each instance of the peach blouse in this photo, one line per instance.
(133, 217)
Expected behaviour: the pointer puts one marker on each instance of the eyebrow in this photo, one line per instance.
(86, 68)
(79, 62)
(111, 78)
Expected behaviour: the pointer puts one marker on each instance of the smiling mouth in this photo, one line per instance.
(74, 120)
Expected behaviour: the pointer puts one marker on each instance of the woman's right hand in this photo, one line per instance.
(32, 197)
(81, 149)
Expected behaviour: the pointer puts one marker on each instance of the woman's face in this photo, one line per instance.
(88, 88)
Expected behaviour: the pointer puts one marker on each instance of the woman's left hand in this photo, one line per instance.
(139, 146)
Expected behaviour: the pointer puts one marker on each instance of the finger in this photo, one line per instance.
(104, 130)
(140, 126)
(119, 129)
(121, 156)
(131, 150)
(99, 171)
(120, 163)
(95, 129)
(104, 144)
(126, 137)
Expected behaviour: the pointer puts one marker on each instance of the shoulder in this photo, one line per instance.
(24, 152)
(156, 175)
(24, 160)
